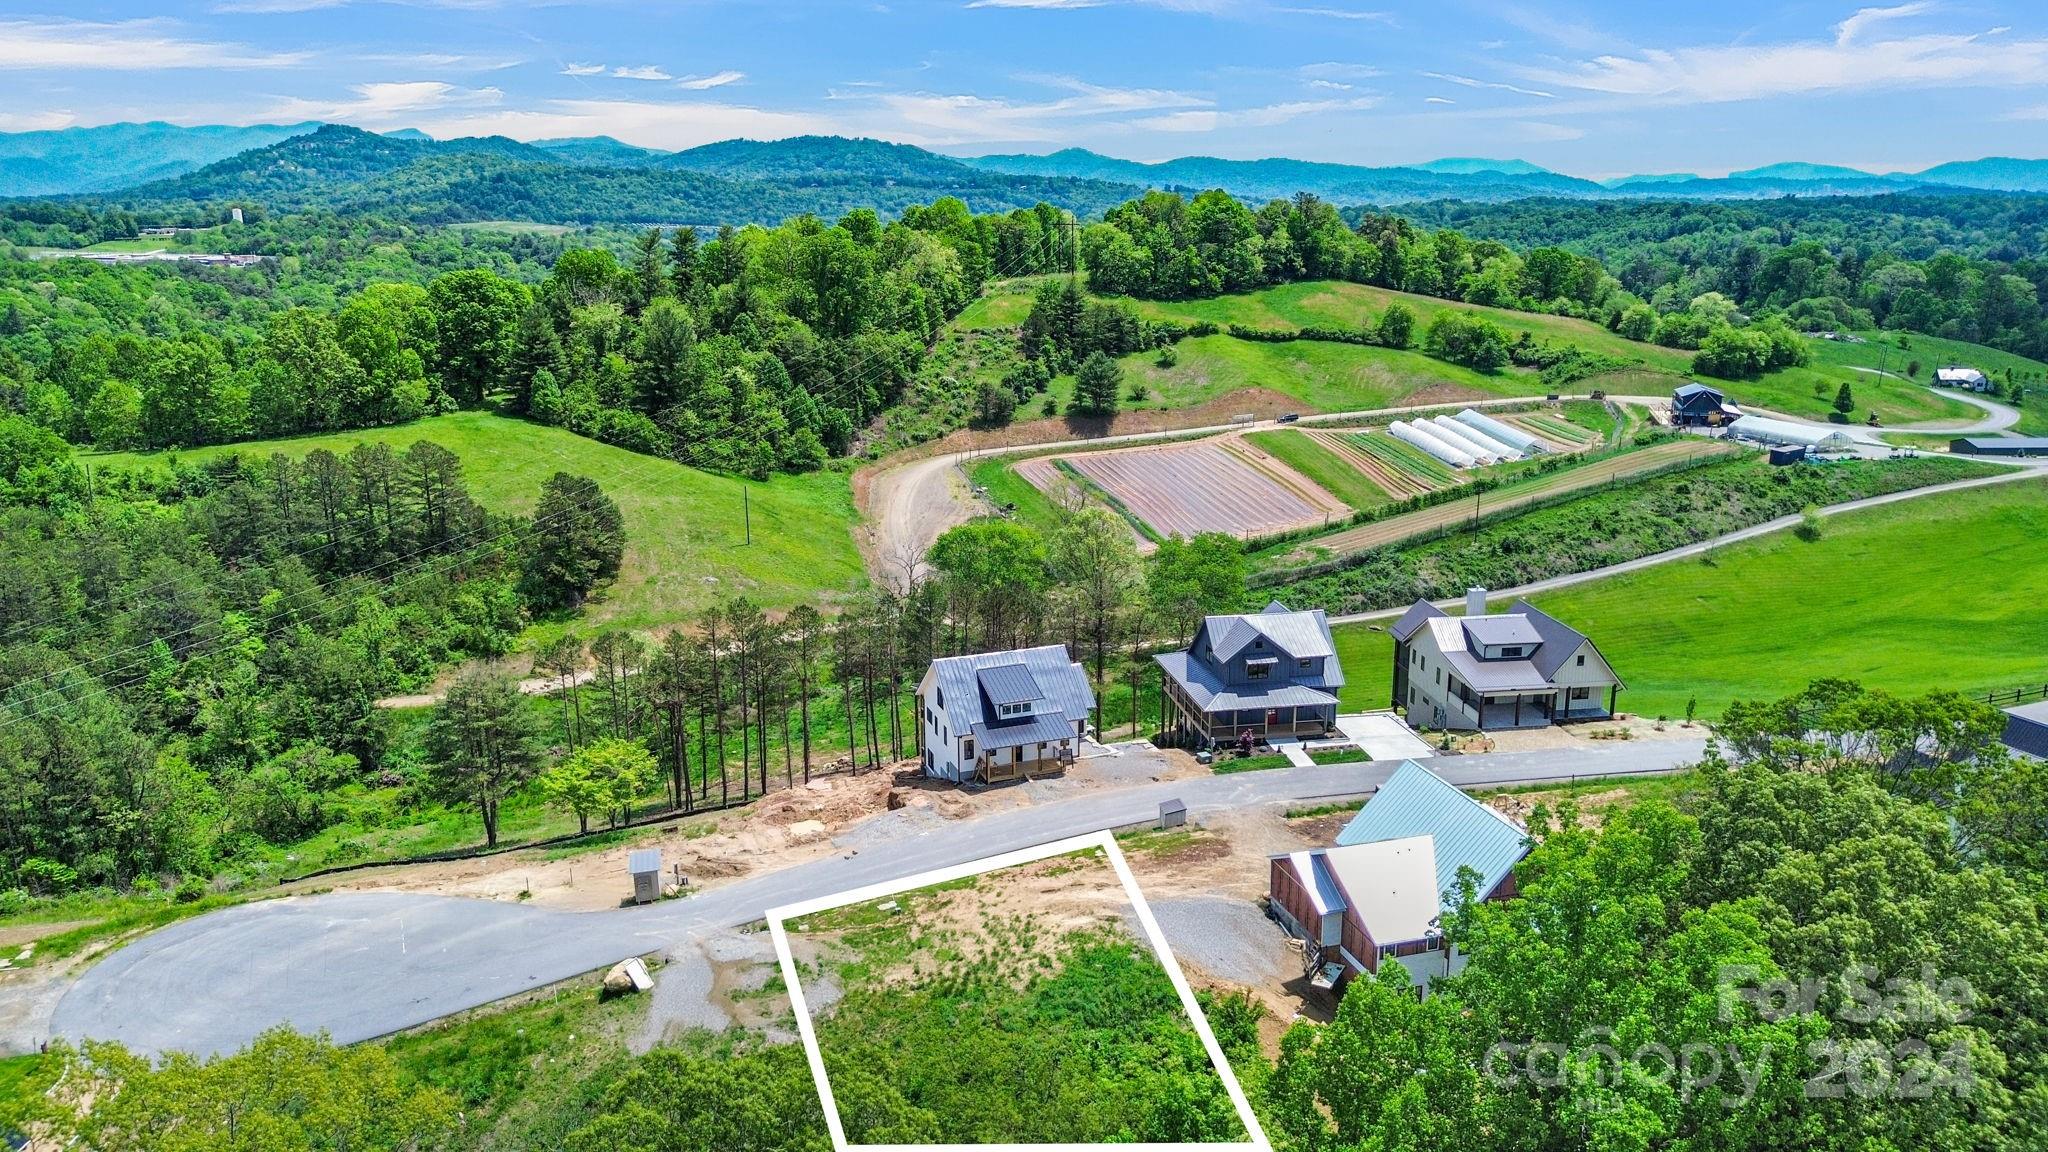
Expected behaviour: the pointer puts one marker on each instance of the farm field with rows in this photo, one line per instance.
(1216, 485)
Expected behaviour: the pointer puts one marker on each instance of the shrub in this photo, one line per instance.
(190, 890)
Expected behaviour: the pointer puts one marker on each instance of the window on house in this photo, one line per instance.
(1016, 709)
(942, 697)
(967, 749)
(1582, 659)
(1510, 653)
(1258, 643)
(1581, 693)
(1306, 664)
(1257, 671)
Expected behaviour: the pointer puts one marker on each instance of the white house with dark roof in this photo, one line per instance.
(1270, 673)
(1001, 716)
(1482, 671)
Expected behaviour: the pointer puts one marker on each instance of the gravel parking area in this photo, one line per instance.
(1228, 940)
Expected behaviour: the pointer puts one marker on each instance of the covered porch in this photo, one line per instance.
(1518, 710)
(1224, 724)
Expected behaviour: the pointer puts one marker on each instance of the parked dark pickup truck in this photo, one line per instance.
(1290, 418)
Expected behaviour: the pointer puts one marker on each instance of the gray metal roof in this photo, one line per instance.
(1497, 675)
(1038, 728)
(1061, 683)
(1298, 634)
(1417, 802)
(1499, 631)
(1419, 613)
(2005, 443)
(643, 860)
(1959, 373)
(2026, 729)
(1212, 695)
(1695, 388)
(1560, 640)
(1008, 684)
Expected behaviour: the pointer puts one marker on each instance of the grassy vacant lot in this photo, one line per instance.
(1324, 377)
(1939, 592)
(1367, 653)
(1335, 304)
(686, 537)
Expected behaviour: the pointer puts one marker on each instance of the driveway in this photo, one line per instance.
(363, 964)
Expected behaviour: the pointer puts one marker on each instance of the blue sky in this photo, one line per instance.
(1591, 88)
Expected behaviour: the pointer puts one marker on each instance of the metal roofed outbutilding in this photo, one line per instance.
(643, 860)
(1417, 802)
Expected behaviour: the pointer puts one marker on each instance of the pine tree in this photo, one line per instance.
(1845, 401)
(1097, 386)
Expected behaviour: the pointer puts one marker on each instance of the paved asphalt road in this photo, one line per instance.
(365, 964)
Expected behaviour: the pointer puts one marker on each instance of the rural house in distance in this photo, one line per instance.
(1695, 404)
(1958, 376)
(1381, 893)
(1270, 673)
(1002, 716)
(1514, 669)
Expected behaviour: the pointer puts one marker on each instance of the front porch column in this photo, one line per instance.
(1611, 690)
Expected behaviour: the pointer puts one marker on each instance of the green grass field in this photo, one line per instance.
(1366, 653)
(686, 537)
(1335, 475)
(1937, 592)
(1324, 377)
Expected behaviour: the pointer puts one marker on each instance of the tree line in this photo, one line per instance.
(190, 657)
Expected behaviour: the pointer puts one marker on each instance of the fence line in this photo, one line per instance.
(2010, 696)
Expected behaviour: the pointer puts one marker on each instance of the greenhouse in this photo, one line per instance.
(1815, 437)
(1432, 442)
(1472, 438)
(1496, 430)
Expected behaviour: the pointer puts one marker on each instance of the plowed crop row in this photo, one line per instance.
(1184, 489)
(1393, 481)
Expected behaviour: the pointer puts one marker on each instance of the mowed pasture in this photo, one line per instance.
(686, 530)
(1942, 591)
(1216, 485)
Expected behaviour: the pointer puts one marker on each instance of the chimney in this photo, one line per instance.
(1475, 601)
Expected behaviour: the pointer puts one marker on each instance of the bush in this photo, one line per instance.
(1467, 338)
(46, 877)
(190, 890)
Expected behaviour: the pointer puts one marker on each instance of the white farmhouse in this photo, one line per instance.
(1001, 716)
(1481, 671)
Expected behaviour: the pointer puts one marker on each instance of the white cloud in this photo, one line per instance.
(1847, 31)
(127, 45)
(583, 69)
(1262, 117)
(1549, 133)
(1330, 84)
(1048, 4)
(36, 121)
(1856, 60)
(386, 104)
(641, 72)
(1469, 82)
(272, 7)
(1338, 14)
(1438, 100)
(715, 80)
(942, 118)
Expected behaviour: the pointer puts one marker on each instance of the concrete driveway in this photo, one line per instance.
(359, 965)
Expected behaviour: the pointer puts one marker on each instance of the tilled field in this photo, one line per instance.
(1220, 485)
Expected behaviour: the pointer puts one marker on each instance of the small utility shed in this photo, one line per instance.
(2026, 729)
(645, 865)
(2000, 445)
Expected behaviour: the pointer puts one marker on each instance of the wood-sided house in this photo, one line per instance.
(1382, 892)
(1269, 673)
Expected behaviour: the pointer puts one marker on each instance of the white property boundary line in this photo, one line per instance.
(1103, 840)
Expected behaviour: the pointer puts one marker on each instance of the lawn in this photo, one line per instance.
(1323, 376)
(1366, 652)
(1809, 393)
(1924, 594)
(687, 542)
(1336, 304)
(1335, 475)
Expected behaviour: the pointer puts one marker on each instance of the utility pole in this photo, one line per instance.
(747, 511)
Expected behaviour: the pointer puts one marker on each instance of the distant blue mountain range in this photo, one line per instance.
(119, 157)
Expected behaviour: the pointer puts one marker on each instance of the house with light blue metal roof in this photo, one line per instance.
(998, 716)
(1382, 892)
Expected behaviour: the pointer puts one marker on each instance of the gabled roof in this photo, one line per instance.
(1958, 372)
(1688, 391)
(1419, 613)
(1302, 635)
(1560, 640)
(1417, 802)
(1211, 694)
(1059, 685)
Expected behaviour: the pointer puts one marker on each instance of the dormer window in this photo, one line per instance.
(1510, 653)
(1022, 708)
